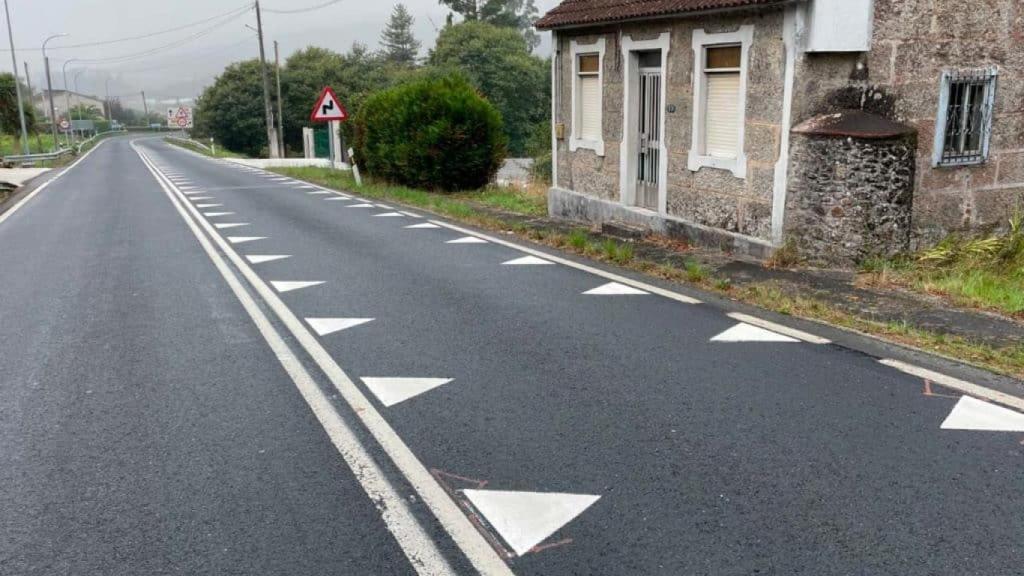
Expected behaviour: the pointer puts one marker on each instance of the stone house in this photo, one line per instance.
(850, 128)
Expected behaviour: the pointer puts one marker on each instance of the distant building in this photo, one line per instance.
(61, 100)
(851, 128)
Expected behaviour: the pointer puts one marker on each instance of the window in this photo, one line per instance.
(964, 120)
(719, 91)
(587, 98)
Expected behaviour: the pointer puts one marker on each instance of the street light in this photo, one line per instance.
(49, 87)
(17, 85)
(67, 99)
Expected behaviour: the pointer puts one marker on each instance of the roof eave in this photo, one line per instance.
(670, 15)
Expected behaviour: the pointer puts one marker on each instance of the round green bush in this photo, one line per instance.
(434, 132)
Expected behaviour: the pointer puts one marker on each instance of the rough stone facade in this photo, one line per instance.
(913, 42)
(851, 199)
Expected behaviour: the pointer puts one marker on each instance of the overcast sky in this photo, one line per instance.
(185, 60)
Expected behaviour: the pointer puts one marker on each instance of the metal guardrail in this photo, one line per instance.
(95, 136)
(190, 141)
(44, 156)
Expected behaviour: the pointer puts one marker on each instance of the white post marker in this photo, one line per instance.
(355, 169)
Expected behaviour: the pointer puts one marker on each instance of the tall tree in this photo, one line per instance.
(518, 14)
(498, 62)
(9, 120)
(397, 41)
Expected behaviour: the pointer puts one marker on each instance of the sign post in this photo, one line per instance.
(329, 109)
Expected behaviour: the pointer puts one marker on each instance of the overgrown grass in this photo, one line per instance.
(982, 272)
(11, 144)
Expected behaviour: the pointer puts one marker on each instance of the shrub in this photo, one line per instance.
(432, 132)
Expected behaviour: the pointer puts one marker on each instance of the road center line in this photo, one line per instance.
(419, 548)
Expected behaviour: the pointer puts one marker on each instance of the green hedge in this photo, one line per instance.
(434, 132)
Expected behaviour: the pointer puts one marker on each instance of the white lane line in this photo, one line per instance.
(572, 264)
(261, 258)
(419, 548)
(244, 239)
(289, 285)
(389, 215)
(956, 384)
(525, 519)
(527, 261)
(226, 225)
(467, 240)
(44, 185)
(422, 226)
(325, 326)
(212, 214)
(744, 332)
(615, 289)
(791, 332)
(391, 391)
(973, 414)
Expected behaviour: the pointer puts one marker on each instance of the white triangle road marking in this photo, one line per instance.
(467, 240)
(230, 225)
(315, 192)
(388, 215)
(527, 261)
(614, 289)
(211, 214)
(744, 332)
(359, 206)
(391, 391)
(338, 198)
(198, 198)
(973, 414)
(411, 214)
(208, 205)
(384, 206)
(525, 519)
(289, 285)
(325, 326)
(261, 258)
(244, 239)
(424, 225)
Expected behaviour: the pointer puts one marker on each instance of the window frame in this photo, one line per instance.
(577, 49)
(697, 157)
(942, 117)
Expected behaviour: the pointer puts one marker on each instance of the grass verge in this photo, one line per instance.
(477, 208)
(220, 152)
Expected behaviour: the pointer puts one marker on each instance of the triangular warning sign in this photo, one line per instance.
(328, 107)
(525, 519)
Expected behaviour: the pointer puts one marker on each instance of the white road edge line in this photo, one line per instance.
(573, 264)
(968, 388)
(42, 186)
(784, 330)
(417, 545)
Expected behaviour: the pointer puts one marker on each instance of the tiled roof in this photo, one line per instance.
(584, 12)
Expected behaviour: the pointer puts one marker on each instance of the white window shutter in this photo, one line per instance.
(722, 115)
(590, 108)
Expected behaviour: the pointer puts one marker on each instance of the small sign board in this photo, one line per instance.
(328, 108)
(180, 117)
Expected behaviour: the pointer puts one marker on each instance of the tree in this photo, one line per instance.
(397, 41)
(517, 14)
(85, 112)
(499, 63)
(9, 120)
(231, 109)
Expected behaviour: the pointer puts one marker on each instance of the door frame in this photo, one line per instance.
(628, 147)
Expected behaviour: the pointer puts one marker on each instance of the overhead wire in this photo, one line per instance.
(301, 10)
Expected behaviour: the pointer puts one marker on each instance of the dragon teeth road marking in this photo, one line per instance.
(422, 226)
(208, 205)
(615, 289)
(230, 225)
(467, 240)
(391, 391)
(289, 285)
(973, 414)
(388, 215)
(527, 261)
(244, 239)
(743, 332)
(261, 258)
(525, 519)
(212, 214)
(325, 326)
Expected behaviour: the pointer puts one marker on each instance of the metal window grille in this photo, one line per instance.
(964, 121)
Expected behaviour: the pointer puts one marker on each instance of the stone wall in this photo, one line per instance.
(709, 197)
(851, 198)
(914, 41)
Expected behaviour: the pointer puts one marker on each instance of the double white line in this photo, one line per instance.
(418, 547)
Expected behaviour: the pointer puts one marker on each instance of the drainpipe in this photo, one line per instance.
(792, 30)
(556, 104)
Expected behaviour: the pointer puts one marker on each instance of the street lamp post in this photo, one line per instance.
(17, 85)
(67, 99)
(81, 132)
(49, 88)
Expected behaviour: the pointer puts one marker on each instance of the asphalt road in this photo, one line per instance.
(513, 422)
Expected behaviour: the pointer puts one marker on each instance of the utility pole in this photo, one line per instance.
(107, 84)
(49, 89)
(17, 85)
(31, 100)
(145, 110)
(67, 101)
(271, 131)
(280, 110)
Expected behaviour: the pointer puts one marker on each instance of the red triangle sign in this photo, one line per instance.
(328, 107)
